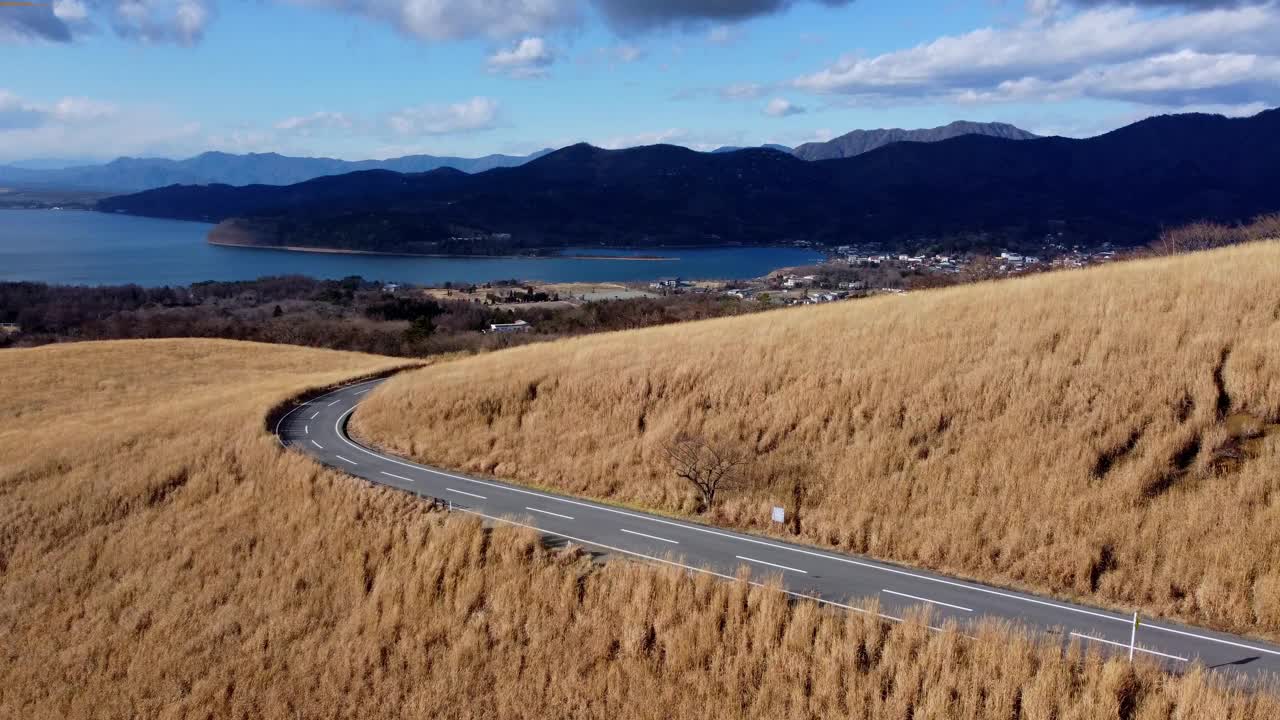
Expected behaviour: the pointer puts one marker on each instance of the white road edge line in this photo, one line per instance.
(398, 477)
(651, 537)
(547, 512)
(313, 442)
(705, 571)
(780, 567)
(802, 551)
(302, 405)
(460, 492)
(1139, 648)
(353, 462)
(927, 600)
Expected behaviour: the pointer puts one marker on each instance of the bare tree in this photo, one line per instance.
(708, 466)
(1197, 236)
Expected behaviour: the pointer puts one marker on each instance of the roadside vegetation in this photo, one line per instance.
(161, 556)
(1108, 434)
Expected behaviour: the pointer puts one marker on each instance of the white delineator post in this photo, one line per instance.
(1133, 635)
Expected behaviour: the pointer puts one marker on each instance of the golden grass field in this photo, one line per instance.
(162, 557)
(1105, 434)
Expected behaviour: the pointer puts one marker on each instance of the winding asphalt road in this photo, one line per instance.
(318, 428)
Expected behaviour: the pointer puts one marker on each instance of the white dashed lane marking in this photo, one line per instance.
(548, 512)
(774, 565)
(651, 537)
(927, 600)
(463, 492)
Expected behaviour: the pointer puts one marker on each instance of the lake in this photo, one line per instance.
(87, 248)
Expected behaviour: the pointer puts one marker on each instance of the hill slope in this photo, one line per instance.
(163, 557)
(861, 141)
(1119, 187)
(1063, 432)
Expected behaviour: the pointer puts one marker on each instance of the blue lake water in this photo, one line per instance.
(88, 248)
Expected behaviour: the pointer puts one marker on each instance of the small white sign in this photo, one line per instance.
(779, 514)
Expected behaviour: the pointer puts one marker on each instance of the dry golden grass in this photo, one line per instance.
(176, 563)
(1101, 434)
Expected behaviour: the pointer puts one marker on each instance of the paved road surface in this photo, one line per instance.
(318, 428)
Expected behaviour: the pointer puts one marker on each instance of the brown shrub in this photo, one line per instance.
(163, 558)
(1066, 433)
(1205, 235)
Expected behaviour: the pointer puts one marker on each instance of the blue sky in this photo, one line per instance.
(379, 78)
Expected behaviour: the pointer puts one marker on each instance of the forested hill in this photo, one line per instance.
(1122, 186)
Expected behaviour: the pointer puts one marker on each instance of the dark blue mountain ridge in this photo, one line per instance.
(1119, 187)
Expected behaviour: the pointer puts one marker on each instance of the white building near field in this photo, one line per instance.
(518, 326)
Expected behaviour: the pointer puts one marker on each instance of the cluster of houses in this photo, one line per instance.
(10, 329)
(805, 297)
(670, 284)
(1013, 260)
(940, 263)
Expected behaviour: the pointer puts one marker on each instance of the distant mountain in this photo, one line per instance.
(736, 148)
(1119, 187)
(132, 174)
(861, 141)
(128, 174)
(45, 164)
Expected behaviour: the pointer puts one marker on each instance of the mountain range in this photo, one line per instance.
(1119, 187)
(133, 174)
(861, 141)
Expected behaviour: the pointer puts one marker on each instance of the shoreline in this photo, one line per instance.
(345, 251)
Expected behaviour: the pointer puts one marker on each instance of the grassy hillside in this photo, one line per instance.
(1106, 434)
(160, 556)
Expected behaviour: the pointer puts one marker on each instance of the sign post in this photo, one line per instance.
(1133, 635)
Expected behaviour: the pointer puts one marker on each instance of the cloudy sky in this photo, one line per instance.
(94, 79)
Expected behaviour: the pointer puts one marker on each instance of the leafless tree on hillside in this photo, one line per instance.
(708, 466)
(1197, 236)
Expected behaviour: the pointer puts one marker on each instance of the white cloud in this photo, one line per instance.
(502, 19)
(1109, 53)
(184, 22)
(782, 107)
(92, 128)
(181, 22)
(695, 140)
(653, 137)
(622, 54)
(16, 113)
(626, 53)
(85, 127)
(636, 15)
(723, 35)
(478, 113)
(741, 91)
(530, 58)
(320, 120)
(70, 11)
(457, 19)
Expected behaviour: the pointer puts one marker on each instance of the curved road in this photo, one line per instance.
(318, 428)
